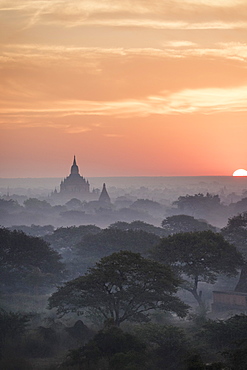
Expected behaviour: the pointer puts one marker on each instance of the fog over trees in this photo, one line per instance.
(127, 284)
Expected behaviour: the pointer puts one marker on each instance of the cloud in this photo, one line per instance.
(157, 14)
(77, 129)
(203, 101)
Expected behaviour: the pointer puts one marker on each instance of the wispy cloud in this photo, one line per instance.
(157, 14)
(77, 129)
(204, 101)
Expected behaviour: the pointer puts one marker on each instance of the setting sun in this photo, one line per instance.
(240, 172)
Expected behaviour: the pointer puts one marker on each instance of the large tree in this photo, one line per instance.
(122, 286)
(112, 240)
(198, 256)
(27, 261)
(236, 232)
(184, 223)
(200, 206)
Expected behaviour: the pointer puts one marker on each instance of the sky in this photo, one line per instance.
(131, 87)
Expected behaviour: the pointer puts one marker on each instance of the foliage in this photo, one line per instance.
(36, 204)
(139, 225)
(199, 256)
(202, 206)
(10, 205)
(67, 237)
(34, 230)
(12, 326)
(236, 232)
(147, 206)
(184, 223)
(74, 203)
(236, 358)
(197, 201)
(113, 348)
(222, 335)
(226, 339)
(122, 286)
(168, 345)
(24, 257)
(239, 207)
(112, 240)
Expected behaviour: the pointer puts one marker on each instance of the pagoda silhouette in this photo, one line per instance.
(76, 186)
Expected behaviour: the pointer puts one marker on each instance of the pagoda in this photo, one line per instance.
(75, 185)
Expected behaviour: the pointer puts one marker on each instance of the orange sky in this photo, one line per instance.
(132, 88)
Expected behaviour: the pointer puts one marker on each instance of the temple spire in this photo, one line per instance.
(104, 196)
(74, 168)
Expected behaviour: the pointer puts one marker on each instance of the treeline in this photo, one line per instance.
(197, 344)
(40, 212)
(125, 282)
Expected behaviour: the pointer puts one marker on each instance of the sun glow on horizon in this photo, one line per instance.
(240, 172)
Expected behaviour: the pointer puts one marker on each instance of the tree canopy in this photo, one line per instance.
(198, 256)
(184, 223)
(112, 347)
(67, 237)
(24, 258)
(122, 286)
(138, 225)
(202, 206)
(112, 240)
(236, 232)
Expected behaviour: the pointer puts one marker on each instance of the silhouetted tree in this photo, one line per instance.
(112, 240)
(68, 237)
(184, 223)
(202, 206)
(236, 232)
(110, 349)
(123, 286)
(198, 256)
(36, 204)
(12, 326)
(168, 345)
(22, 256)
(139, 225)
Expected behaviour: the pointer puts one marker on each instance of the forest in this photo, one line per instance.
(126, 285)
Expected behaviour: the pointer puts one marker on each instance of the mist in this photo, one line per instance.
(60, 239)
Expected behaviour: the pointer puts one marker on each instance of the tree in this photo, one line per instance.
(184, 223)
(12, 325)
(122, 286)
(34, 230)
(112, 240)
(113, 348)
(138, 225)
(22, 256)
(68, 237)
(198, 256)
(228, 338)
(36, 204)
(168, 345)
(147, 205)
(202, 206)
(236, 232)
(197, 203)
(222, 335)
